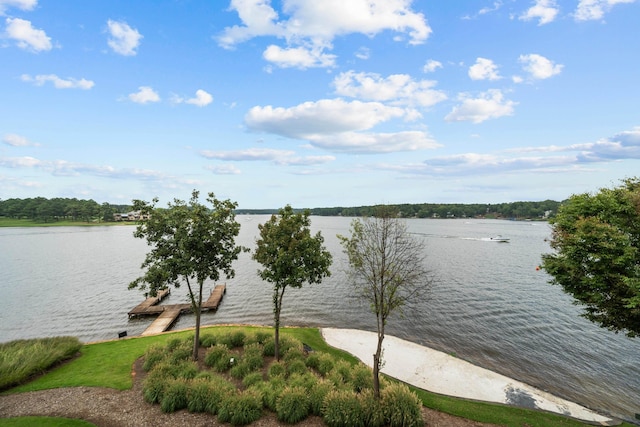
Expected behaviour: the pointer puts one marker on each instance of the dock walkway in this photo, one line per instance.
(168, 314)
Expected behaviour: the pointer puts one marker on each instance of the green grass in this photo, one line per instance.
(43, 421)
(109, 364)
(23, 359)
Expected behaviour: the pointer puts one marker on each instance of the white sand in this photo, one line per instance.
(441, 373)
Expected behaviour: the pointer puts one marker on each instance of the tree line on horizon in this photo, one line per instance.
(72, 209)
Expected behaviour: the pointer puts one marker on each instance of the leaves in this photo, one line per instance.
(597, 259)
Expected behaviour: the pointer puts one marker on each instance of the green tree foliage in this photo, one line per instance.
(56, 209)
(387, 270)
(597, 258)
(190, 243)
(291, 256)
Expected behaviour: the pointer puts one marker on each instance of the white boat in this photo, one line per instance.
(499, 239)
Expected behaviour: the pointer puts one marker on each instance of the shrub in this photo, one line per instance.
(220, 389)
(342, 408)
(175, 396)
(154, 386)
(325, 364)
(154, 355)
(253, 356)
(296, 367)
(286, 343)
(251, 379)
(371, 409)
(401, 407)
(317, 394)
(270, 392)
(233, 339)
(313, 360)
(305, 380)
(259, 337)
(182, 352)
(208, 340)
(277, 369)
(218, 357)
(241, 408)
(293, 353)
(199, 395)
(293, 405)
(185, 369)
(343, 370)
(361, 378)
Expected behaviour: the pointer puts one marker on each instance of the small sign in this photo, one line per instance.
(122, 334)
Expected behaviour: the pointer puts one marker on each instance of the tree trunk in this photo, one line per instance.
(377, 363)
(276, 312)
(197, 309)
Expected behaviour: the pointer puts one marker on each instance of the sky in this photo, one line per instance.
(318, 103)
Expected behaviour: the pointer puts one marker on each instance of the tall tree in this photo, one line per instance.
(597, 258)
(190, 243)
(387, 270)
(291, 256)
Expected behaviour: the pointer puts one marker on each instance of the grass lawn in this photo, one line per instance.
(108, 364)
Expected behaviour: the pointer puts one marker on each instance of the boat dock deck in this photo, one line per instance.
(168, 314)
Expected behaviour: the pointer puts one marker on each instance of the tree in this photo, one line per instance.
(387, 270)
(597, 258)
(291, 256)
(189, 244)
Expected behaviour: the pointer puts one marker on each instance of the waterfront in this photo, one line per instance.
(490, 306)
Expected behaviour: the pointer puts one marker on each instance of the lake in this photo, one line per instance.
(489, 305)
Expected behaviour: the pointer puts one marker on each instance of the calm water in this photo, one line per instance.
(490, 306)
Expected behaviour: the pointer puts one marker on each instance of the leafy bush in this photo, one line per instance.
(175, 396)
(401, 407)
(205, 395)
(293, 405)
(286, 343)
(305, 380)
(313, 360)
(293, 353)
(253, 356)
(325, 363)
(21, 359)
(182, 352)
(251, 379)
(342, 369)
(233, 339)
(296, 367)
(371, 409)
(208, 340)
(154, 386)
(241, 408)
(317, 394)
(154, 355)
(361, 378)
(342, 408)
(277, 369)
(270, 391)
(174, 343)
(259, 337)
(218, 357)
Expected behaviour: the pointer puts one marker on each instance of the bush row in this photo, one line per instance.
(297, 386)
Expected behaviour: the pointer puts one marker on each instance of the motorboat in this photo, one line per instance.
(499, 239)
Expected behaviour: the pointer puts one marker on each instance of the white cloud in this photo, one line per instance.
(431, 65)
(370, 143)
(543, 10)
(279, 157)
(18, 141)
(484, 69)
(310, 27)
(588, 10)
(326, 116)
(144, 95)
(224, 169)
(398, 89)
(363, 53)
(298, 57)
(124, 40)
(539, 67)
(201, 99)
(26, 36)
(20, 4)
(58, 83)
(489, 105)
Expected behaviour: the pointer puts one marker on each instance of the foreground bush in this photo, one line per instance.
(401, 407)
(22, 359)
(342, 408)
(241, 408)
(175, 396)
(293, 405)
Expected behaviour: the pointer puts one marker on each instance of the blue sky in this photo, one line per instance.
(318, 104)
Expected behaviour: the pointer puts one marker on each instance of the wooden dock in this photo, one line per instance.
(168, 314)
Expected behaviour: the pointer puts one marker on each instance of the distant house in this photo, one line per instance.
(130, 216)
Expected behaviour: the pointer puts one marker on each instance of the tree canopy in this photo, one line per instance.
(190, 243)
(387, 270)
(597, 260)
(291, 256)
